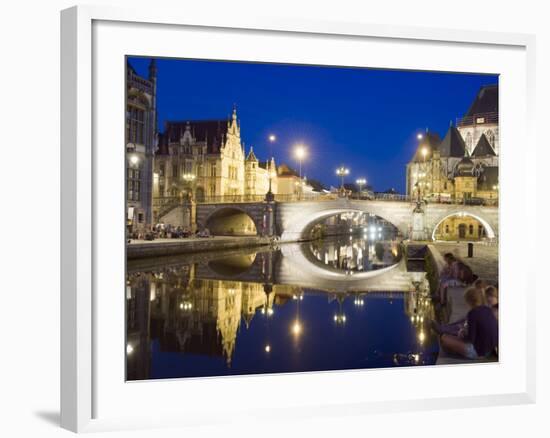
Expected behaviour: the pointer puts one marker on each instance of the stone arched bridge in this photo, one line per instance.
(291, 221)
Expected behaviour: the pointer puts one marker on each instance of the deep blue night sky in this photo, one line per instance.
(366, 119)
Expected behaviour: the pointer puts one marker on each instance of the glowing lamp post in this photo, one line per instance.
(300, 153)
(342, 172)
(361, 182)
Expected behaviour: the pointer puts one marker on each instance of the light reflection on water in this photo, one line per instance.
(191, 317)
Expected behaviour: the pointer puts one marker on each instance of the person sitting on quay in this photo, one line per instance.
(491, 297)
(479, 339)
(455, 273)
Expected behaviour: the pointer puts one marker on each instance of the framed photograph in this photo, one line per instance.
(313, 217)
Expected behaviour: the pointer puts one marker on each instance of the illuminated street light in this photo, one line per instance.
(267, 348)
(361, 182)
(134, 159)
(300, 153)
(342, 172)
(188, 177)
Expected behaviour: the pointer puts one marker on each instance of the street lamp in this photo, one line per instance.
(342, 172)
(300, 153)
(361, 182)
(188, 177)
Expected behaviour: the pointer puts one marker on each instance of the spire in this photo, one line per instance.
(153, 69)
(251, 156)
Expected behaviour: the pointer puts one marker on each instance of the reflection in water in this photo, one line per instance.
(208, 317)
(355, 253)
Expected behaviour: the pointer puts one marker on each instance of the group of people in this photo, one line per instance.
(168, 231)
(475, 336)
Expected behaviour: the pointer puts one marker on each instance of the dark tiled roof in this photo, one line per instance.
(431, 141)
(212, 132)
(483, 148)
(318, 186)
(486, 101)
(453, 144)
(488, 178)
(285, 170)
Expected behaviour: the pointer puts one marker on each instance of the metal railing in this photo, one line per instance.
(165, 204)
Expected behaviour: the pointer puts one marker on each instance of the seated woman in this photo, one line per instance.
(491, 297)
(480, 338)
(448, 276)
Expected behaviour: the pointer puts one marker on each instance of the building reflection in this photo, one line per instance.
(191, 315)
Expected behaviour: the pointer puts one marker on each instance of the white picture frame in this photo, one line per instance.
(83, 374)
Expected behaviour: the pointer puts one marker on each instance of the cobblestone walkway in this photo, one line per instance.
(484, 263)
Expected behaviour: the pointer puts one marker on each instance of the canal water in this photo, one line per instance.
(296, 308)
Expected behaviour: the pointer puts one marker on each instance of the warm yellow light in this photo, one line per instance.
(424, 151)
(134, 159)
(300, 152)
(129, 349)
(296, 328)
(421, 336)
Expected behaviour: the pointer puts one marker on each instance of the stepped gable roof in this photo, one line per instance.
(488, 178)
(212, 132)
(431, 141)
(251, 156)
(453, 144)
(483, 148)
(486, 101)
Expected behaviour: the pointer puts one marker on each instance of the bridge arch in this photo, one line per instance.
(297, 223)
(232, 221)
(233, 266)
(489, 229)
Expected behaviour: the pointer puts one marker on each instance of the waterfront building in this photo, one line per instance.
(461, 168)
(289, 182)
(140, 141)
(481, 119)
(204, 160)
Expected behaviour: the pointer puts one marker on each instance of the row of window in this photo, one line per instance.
(133, 184)
(462, 230)
(136, 125)
(491, 137)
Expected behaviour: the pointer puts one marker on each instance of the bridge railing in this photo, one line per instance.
(165, 203)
